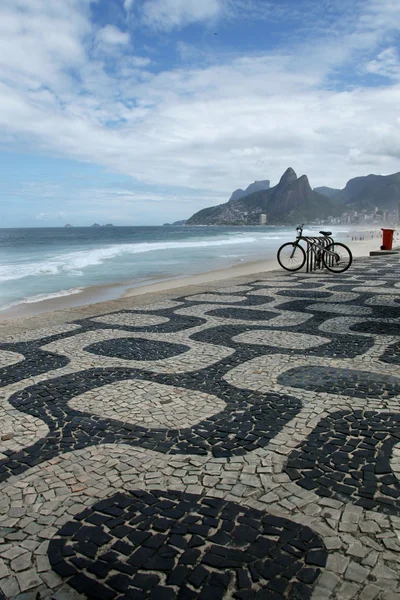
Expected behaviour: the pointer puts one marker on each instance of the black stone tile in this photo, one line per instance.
(392, 354)
(179, 575)
(256, 552)
(260, 416)
(198, 576)
(91, 588)
(136, 349)
(162, 593)
(119, 582)
(243, 314)
(100, 568)
(145, 581)
(358, 384)
(351, 469)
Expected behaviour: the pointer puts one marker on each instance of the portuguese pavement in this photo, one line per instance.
(239, 440)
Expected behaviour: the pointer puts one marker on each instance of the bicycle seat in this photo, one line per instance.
(326, 233)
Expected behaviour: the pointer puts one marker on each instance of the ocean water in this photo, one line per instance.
(41, 263)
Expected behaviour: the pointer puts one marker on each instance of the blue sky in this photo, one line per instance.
(136, 112)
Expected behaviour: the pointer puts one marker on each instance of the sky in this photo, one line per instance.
(140, 112)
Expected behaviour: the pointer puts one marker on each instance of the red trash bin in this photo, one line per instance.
(387, 239)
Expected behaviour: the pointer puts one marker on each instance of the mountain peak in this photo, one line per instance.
(288, 177)
(327, 191)
(293, 201)
(257, 186)
(302, 184)
(303, 181)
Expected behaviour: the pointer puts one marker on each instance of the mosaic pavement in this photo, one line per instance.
(237, 443)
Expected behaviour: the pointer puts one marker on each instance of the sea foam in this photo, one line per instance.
(72, 263)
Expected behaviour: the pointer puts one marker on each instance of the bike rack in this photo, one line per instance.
(311, 263)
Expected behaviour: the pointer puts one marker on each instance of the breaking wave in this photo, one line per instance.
(73, 263)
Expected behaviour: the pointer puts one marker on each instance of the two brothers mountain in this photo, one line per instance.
(293, 201)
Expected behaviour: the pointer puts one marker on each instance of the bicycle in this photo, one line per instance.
(335, 257)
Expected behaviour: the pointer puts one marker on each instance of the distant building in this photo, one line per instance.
(263, 219)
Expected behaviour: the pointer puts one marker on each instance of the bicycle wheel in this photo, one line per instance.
(291, 257)
(342, 259)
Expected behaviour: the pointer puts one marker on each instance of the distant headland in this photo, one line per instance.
(94, 225)
(364, 200)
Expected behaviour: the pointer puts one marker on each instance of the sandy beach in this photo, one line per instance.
(94, 295)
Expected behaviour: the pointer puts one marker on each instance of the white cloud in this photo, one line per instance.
(112, 35)
(265, 10)
(39, 39)
(212, 128)
(51, 216)
(128, 4)
(387, 64)
(140, 61)
(170, 14)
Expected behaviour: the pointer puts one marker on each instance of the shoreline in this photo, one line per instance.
(102, 293)
(92, 295)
